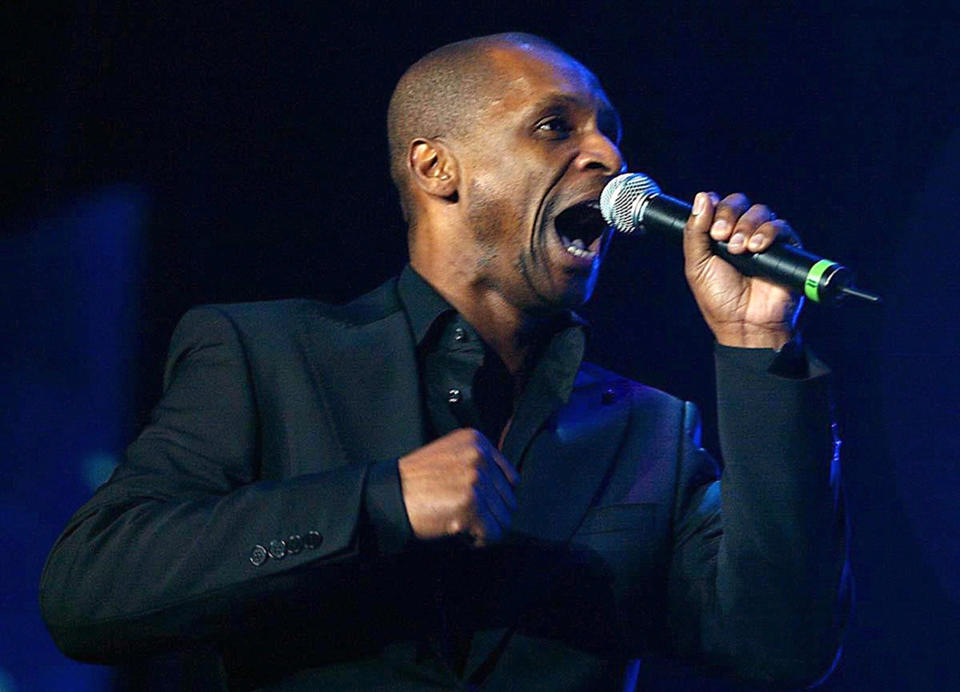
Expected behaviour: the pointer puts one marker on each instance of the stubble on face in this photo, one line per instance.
(506, 245)
(482, 219)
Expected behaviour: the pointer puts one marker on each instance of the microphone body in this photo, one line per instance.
(633, 202)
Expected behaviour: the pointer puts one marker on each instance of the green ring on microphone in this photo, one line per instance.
(811, 287)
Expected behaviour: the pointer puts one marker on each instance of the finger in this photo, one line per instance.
(485, 528)
(784, 233)
(696, 240)
(769, 232)
(497, 469)
(725, 217)
(772, 232)
(746, 235)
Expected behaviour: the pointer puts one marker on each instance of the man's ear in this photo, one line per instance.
(433, 168)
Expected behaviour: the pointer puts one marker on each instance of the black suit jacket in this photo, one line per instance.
(276, 415)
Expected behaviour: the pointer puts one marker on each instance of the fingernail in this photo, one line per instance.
(755, 241)
(737, 240)
(719, 229)
(699, 202)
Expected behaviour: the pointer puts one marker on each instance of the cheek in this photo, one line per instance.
(488, 220)
(492, 215)
(504, 202)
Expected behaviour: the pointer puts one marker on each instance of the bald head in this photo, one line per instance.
(441, 95)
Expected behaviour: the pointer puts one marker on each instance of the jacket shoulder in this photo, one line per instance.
(277, 329)
(274, 316)
(371, 307)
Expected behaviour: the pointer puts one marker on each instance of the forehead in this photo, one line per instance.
(528, 74)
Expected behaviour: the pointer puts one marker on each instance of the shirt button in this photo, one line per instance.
(454, 396)
(459, 334)
(294, 544)
(258, 555)
(312, 540)
(278, 548)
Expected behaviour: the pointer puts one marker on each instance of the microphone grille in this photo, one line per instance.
(624, 198)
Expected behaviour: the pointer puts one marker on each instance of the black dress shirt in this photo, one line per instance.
(466, 384)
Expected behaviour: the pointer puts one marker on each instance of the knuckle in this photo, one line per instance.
(783, 228)
(771, 228)
(467, 504)
(736, 203)
(473, 459)
(477, 441)
(464, 435)
(471, 476)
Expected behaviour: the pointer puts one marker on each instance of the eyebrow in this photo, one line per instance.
(560, 98)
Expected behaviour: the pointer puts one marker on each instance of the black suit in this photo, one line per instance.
(276, 415)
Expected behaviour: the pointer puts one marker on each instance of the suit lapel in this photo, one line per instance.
(363, 359)
(566, 463)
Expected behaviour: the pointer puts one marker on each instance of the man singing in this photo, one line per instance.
(427, 489)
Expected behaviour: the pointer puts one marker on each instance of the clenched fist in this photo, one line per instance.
(459, 484)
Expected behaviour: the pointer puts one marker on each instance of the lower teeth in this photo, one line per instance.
(579, 252)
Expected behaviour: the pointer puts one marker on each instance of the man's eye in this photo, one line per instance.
(555, 124)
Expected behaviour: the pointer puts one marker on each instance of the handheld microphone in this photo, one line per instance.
(633, 202)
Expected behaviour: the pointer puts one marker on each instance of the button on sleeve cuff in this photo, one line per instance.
(387, 526)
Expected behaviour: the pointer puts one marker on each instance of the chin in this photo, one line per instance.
(578, 291)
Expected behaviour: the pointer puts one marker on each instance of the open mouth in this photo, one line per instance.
(580, 227)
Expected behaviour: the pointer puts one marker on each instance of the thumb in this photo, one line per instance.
(696, 233)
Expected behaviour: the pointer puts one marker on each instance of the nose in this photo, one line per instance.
(600, 153)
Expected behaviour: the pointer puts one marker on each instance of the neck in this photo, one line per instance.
(514, 335)
(511, 332)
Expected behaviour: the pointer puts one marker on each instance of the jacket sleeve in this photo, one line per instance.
(759, 582)
(185, 538)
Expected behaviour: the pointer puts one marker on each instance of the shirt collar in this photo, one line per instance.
(421, 302)
(559, 361)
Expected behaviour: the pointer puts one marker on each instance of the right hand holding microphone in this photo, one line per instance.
(459, 484)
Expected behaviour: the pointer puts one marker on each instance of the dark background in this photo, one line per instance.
(156, 159)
